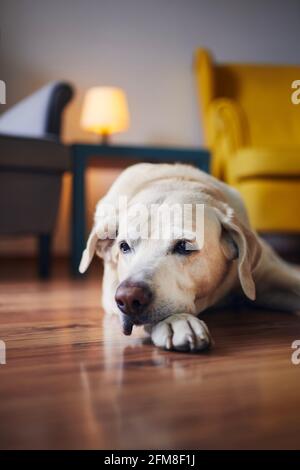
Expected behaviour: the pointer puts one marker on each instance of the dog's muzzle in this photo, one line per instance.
(132, 298)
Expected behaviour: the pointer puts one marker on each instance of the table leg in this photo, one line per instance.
(78, 213)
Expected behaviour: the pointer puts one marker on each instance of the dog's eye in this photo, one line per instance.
(181, 248)
(124, 247)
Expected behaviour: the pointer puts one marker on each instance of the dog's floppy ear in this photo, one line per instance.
(100, 241)
(239, 242)
(89, 251)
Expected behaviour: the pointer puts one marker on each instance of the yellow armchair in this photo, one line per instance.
(252, 128)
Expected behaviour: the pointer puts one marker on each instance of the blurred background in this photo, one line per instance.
(145, 48)
(87, 86)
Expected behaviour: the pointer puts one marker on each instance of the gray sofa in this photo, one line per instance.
(32, 162)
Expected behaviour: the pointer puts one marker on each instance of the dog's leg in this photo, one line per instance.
(181, 332)
(277, 282)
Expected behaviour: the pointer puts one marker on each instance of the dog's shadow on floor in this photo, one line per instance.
(243, 327)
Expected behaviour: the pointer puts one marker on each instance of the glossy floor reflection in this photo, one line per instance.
(72, 380)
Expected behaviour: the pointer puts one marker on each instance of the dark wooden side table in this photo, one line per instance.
(108, 156)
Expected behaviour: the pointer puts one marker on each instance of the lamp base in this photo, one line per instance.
(105, 138)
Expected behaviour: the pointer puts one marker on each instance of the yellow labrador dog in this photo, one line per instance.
(165, 282)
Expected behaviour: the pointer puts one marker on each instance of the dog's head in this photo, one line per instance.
(186, 271)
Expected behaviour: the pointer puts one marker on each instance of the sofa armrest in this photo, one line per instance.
(23, 153)
(39, 114)
(227, 132)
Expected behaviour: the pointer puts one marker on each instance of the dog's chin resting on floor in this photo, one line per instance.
(164, 283)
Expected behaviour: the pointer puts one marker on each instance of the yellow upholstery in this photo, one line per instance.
(249, 163)
(253, 131)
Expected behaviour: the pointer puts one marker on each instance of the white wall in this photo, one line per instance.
(144, 46)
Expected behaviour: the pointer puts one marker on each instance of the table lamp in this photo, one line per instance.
(105, 112)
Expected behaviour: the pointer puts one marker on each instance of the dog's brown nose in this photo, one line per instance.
(133, 297)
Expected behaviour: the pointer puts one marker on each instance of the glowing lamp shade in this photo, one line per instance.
(105, 111)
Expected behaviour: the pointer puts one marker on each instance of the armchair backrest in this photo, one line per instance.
(260, 93)
(38, 115)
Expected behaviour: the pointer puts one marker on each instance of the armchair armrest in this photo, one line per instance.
(227, 131)
(23, 153)
(253, 163)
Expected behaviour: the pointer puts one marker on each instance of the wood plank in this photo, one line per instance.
(72, 380)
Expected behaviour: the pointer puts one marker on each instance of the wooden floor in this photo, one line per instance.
(73, 381)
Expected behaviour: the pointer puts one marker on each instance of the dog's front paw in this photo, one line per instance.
(181, 332)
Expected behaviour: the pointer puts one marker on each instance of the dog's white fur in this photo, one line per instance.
(233, 260)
